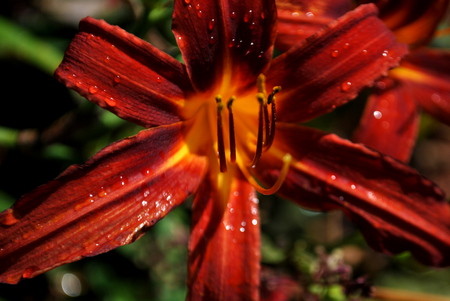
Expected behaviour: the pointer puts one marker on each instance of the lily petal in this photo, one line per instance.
(224, 247)
(358, 47)
(124, 74)
(413, 21)
(110, 201)
(426, 73)
(299, 19)
(224, 40)
(396, 209)
(391, 114)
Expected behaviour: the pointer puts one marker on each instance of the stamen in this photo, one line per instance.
(273, 119)
(220, 140)
(259, 139)
(231, 130)
(287, 159)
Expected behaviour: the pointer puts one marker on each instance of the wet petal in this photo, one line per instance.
(224, 248)
(413, 22)
(224, 40)
(396, 209)
(331, 67)
(299, 19)
(390, 121)
(110, 201)
(124, 74)
(426, 73)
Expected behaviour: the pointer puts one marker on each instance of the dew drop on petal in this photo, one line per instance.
(93, 89)
(310, 14)
(211, 24)
(28, 273)
(110, 102)
(248, 16)
(158, 79)
(187, 1)
(346, 45)
(353, 186)
(377, 114)
(233, 15)
(436, 98)
(385, 53)
(345, 86)
(364, 52)
(117, 79)
(335, 53)
(7, 218)
(295, 14)
(211, 40)
(333, 177)
(254, 222)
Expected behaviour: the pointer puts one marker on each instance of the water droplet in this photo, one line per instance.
(436, 98)
(364, 51)
(243, 224)
(385, 125)
(187, 1)
(309, 14)
(345, 86)
(263, 15)
(232, 43)
(381, 85)
(93, 89)
(102, 193)
(248, 16)
(335, 53)
(353, 186)
(88, 201)
(333, 177)
(117, 79)
(7, 218)
(295, 14)
(211, 24)
(377, 114)
(385, 53)
(242, 229)
(158, 79)
(29, 272)
(254, 222)
(211, 40)
(197, 6)
(346, 45)
(233, 15)
(199, 13)
(110, 102)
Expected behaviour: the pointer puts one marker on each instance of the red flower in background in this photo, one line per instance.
(421, 82)
(216, 127)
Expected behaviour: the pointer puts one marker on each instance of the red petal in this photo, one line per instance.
(224, 38)
(110, 201)
(224, 248)
(124, 74)
(413, 21)
(299, 19)
(331, 67)
(426, 73)
(397, 209)
(390, 120)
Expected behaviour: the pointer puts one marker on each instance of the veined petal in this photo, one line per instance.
(224, 40)
(124, 74)
(299, 19)
(331, 67)
(390, 121)
(413, 22)
(110, 201)
(224, 247)
(397, 209)
(426, 73)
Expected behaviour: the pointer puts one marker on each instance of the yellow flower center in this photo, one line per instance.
(235, 129)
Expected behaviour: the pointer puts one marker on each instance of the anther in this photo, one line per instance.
(220, 140)
(273, 119)
(259, 139)
(231, 130)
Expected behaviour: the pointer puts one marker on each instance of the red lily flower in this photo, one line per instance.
(421, 82)
(214, 131)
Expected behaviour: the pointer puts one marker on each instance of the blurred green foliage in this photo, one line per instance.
(44, 128)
